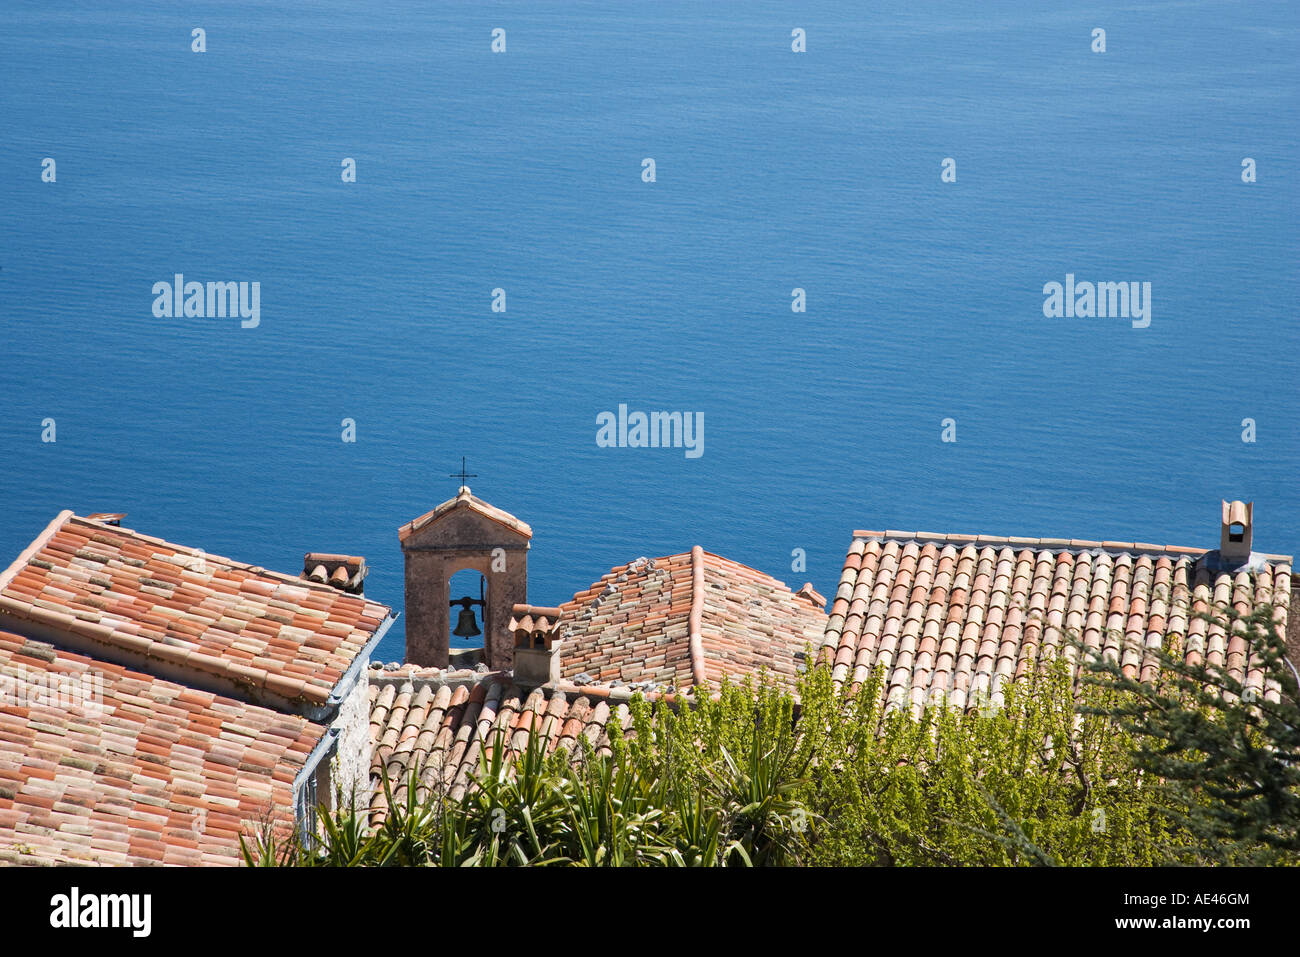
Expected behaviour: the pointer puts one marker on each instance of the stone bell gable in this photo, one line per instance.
(463, 533)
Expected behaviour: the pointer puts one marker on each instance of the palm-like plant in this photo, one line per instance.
(698, 832)
(616, 817)
(765, 820)
(516, 809)
(410, 833)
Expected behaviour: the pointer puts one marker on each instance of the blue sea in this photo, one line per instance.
(774, 170)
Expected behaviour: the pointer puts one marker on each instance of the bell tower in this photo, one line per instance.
(463, 532)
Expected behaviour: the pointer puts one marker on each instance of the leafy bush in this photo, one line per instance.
(1029, 782)
(1226, 755)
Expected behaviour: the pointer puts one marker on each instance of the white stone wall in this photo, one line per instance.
(350, 768)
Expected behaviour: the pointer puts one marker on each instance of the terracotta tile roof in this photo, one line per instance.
(200, 618)
(163, 774)
(465, 499)
(960, 615)
(752, 621)
(440, 729)
(685, 620)
(633, 624)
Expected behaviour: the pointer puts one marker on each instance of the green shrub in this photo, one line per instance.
(1226, 756)
(1030, 782)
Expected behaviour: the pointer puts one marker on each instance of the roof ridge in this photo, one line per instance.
(305, 655)
(285, 578)
(468, 499)
(1073, 545)
(696, 619)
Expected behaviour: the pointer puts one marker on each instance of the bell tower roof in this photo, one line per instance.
(465, 503)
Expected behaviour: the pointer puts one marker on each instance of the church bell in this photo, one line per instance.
(466, 623)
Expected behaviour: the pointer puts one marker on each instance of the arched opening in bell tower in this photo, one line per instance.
(467, 609)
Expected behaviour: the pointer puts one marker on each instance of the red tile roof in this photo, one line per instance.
(161, 774)
(440, 729)
(198, 617)
(685, 620)
(751, 621)
(960, 615)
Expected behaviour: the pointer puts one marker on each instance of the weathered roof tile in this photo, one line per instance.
(983, 623)
(228, 612)
(136, 777)
(686, 619)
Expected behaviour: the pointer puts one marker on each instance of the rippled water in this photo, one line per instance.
(522, 171)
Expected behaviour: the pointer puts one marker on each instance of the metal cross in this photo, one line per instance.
(462, 474)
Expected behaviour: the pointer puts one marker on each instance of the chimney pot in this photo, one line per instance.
(344, 572)
(808, 593)
(1236, 533)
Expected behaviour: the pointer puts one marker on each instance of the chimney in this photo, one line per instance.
(810, 594)
(1236, 533)
(344, 572)
(537, 644)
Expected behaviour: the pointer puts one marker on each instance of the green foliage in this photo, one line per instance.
(515, 813)
(268, 847)
(731, 770)
(1226, 756)
(617, 818)
(1029, 782)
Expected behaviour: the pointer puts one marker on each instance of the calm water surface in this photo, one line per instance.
(522, 171)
